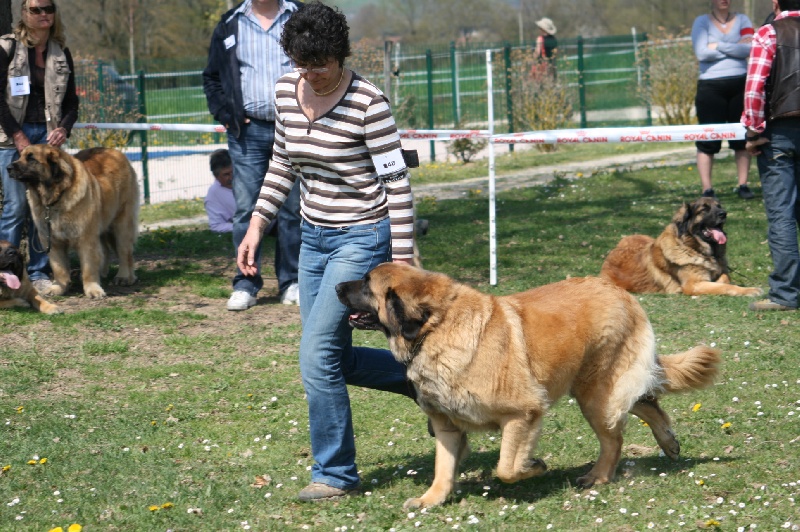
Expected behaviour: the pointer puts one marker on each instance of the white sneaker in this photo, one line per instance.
(291, 296)
(240, 300)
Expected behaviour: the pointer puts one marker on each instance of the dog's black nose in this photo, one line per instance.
(723, 213)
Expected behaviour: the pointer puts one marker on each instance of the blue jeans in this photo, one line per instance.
(16, 211)
(250, 155)
(328, 360)
(779, 170)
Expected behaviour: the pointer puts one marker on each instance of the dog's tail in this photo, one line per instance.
(691, 370)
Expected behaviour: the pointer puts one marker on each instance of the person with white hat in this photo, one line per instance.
(546, 44)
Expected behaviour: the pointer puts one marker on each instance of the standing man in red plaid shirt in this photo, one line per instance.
(772, 118)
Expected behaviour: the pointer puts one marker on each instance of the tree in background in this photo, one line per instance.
(672, 77)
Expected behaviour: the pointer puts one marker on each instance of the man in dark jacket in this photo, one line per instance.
(245, 60)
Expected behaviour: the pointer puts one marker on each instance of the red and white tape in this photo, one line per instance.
(688, 133)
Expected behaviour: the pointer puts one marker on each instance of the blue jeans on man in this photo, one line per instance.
(779, 171)
(250, 155)
(328, 360)
(16, 210)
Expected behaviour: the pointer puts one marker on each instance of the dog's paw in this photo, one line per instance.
(94, 291)
(754, 292)
(124, 281)
(531, 468)
(415, 503)
(586, 481)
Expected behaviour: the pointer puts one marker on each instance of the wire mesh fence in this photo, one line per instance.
(433, 87)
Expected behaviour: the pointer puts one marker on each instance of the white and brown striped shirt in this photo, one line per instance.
(339, 185)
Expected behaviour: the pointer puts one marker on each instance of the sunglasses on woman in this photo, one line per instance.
(48, 10)
(315, 70)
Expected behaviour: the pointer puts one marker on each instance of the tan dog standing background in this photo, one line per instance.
(480, 362)
(89, 203)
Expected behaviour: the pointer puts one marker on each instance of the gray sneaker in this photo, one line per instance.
(241, 300)
(42, 285)
(317, 491)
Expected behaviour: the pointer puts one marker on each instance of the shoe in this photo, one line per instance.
(291, 296)
(767, 304)
(317, 491)
(42, 285)
(744, 192)
(422, 227)
(709, 193)
(241, 300)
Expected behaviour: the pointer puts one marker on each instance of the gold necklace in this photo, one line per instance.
(721, 23)
(341, 77)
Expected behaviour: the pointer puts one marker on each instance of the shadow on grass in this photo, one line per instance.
(478, 467)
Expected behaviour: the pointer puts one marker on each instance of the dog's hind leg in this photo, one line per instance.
(648, 410)
(609, 433)
(520, 437)
(124, 235)
(451, 447)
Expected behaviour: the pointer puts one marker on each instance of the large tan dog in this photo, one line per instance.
(16, 289)
(90, 203)
(480, 362)
(688, 257)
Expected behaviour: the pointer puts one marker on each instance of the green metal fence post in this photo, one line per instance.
(143, 137)
(429, 67)
(101, 90)
(581, 82)
(646, 80)
(454, 82)
(509, 103)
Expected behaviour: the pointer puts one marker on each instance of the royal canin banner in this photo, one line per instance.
(557, 136)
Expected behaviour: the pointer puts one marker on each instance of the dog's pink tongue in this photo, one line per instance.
(719, 236)
(11, 280)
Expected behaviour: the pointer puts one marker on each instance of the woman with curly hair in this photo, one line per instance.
(334, 132)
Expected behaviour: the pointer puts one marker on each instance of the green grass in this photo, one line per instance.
(160, 398)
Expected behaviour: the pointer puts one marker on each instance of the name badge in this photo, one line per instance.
(389, 162)
(230, 41)
(20, 86)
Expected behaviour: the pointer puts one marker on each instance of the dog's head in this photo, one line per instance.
(703, 219)
(402, 301)
(11, 265)
(43, 169)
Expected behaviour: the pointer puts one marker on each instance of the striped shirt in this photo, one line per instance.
(333, 156)
(261, 59)
(761, 57)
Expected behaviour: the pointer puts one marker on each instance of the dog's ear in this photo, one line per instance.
(683, 218)
(404, 319)
(54, 164)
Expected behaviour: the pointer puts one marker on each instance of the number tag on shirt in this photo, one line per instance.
(229, 41)
(20, 86)
(389, 163)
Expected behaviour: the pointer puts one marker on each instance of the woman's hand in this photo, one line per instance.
(21, 141)
(57, 137)
(246, 254)
(405, 261)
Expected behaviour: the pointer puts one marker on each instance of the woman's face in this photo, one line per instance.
(721, 4)
(319, 80)
(36, 17)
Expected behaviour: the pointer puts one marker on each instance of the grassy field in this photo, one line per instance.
(156, 409)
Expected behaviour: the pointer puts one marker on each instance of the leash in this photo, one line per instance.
(49, 232)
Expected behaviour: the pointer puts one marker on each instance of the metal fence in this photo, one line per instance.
(440, 87)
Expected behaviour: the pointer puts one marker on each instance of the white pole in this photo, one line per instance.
(492, 218)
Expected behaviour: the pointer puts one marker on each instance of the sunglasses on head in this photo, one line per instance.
(49, 10)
